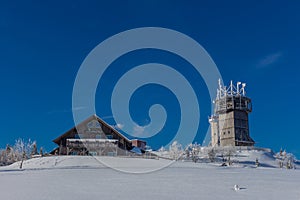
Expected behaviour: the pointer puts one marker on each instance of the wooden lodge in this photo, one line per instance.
(93, 136)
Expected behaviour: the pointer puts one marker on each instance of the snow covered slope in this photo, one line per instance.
(266, 158)
(123, 164)
(72, 178)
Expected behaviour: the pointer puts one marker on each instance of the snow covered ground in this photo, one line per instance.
(79, 177)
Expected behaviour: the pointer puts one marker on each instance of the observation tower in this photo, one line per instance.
(230, 123)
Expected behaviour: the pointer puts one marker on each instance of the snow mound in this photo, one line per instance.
(125, 164)
(55, 162)
(240, 159)
(266, 158)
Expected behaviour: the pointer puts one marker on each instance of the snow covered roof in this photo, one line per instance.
(91, 140)
(72, 131)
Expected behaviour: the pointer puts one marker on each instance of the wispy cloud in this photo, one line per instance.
(119, 126)
(79, 108)
(138, 130)
(269, 60)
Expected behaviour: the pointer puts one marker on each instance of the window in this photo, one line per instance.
(109, 136)
(228, 132)
(76, 136)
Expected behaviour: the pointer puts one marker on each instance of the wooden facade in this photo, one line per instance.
(93, 136)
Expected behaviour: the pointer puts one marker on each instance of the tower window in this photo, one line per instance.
(228, 132)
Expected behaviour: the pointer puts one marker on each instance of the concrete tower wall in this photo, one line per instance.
(214, 132)
(227, 128)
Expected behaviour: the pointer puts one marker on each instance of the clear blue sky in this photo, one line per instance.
(42, 46)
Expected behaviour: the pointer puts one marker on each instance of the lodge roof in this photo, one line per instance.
(93, 117)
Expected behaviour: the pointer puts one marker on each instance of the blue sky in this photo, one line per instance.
(44, 44)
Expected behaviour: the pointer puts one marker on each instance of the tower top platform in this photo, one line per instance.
(233, 90)
(232, 98)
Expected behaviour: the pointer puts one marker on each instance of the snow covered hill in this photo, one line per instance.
(83, 177)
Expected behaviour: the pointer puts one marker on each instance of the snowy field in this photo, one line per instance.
(72, 178)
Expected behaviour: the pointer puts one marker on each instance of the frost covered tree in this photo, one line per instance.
(290, 159)
(22, 146)
(21, 150)
(227, 153)
(188, 151)
(175, 150)
(285, 159)
(41, 152)
(191, 152)
(161, 149)
(207, 153)
(34, 149)
(212, 154)
(195, 152)
(7, 156)
(280, 157)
